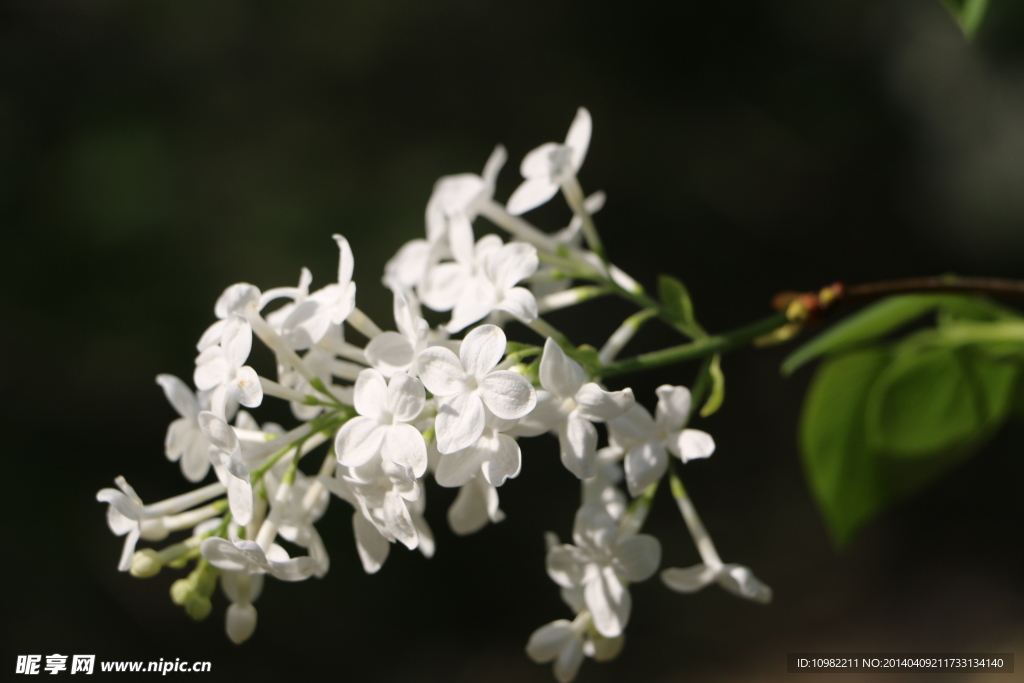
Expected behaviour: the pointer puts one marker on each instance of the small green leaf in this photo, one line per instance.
(868, 324)
(841, 468)
(931, 400)
(968, 14)
(678, 305)
(717, 395)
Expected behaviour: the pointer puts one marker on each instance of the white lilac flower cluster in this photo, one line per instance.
(413, 403)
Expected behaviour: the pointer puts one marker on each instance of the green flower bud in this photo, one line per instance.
(198, 607)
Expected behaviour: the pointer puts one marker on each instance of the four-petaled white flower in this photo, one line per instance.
(547, 167)
(494, 455)
(221, 368)
(735, 578)
(229, 466)
(240, 555)
(309, 321)
(601, 562)
(646, 441)
(385, 410)
(467, 385)
(456, 199)
(185, 441)
(392, 352)
(569, 405)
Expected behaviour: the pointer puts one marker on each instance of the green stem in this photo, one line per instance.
(700, 348)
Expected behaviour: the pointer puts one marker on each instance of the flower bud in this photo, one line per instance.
(198, 607)
(182, 590)
(146, 563)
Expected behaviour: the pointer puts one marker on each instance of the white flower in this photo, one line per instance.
(647, 441)
(547, 167)
(468, 383)
(568, 406)
(221, 368)
(392, 352)
(185, 441)
(456, 199)
(385, 410)
(309, 321)
(600, 562)
(735, 578)
(407, 269)
(561, 642)
(229, 466)
(249, 557)
(494, 288)
(476, 504)
(495, 455)
(241, 298)
(127, 515)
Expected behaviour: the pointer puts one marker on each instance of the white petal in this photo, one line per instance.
(346, 262)
(510, 264)
(560, 374)
(371, 393)
(691, 444)
(568, 662)
(549, 640)
(404, 445)
(399, 521)
(637, 557)
(441, 371)
(179, 395)
(390, 352)
(531, 194)
(444, 284)
(689, 580)
(741, 581)
(458, 468)
(537, 163)
(236, 340)
(598, 405)
(594, 529)
(578, 137)
(508, 394)
(240, 499)
(405, 397)
(459, 423)
(520, 302)
(673, 409)
(246, 387)
(481, 350)
(469, 512)
(223, 554)
(577, 439)
(212, 368)
(504, 463)
(609, 603)
(220, 433)
(636, 424)
(358, 441)
(372, 547)
(567, 565)
(645, 464)
(237, 299)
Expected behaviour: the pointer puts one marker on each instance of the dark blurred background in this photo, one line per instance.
(153, 153)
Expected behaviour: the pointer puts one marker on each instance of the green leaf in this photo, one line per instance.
(678, 305)
(866, 325)
(717, 395)
(841, 468)
(933, 399)
(968, 14)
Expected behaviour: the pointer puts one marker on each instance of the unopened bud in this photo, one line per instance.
(146, 563)
(181, 591)
(198, 607)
